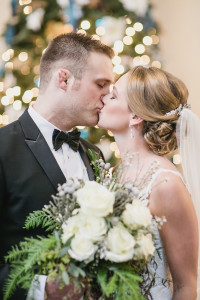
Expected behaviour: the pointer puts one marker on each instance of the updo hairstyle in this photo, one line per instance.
(152, 93)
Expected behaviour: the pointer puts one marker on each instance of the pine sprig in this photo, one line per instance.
(40, 218)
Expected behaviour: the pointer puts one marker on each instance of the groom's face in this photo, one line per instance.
(86, 94)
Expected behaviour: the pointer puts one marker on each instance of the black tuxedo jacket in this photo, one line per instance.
(29, 175)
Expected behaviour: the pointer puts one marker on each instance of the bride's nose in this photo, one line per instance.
(104, 99)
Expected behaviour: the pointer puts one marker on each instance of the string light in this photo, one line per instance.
(9, 66)
(177, 159)
(100, 30)
(96, 37)
(155, 39)
(128, 21)
(5, 100)
(116, 60)
(110, 133)
(81, 31)
(35, 92)
(117, 153)
(138, 26)
(85, 24)
(27, 10)
(147, 40)
(9, 92)
(156, 64)
(27, 97)
(5, 119)
(119, 69)
(139, 48)
(137, 61)
(24, 2)
(130, 31)
(6, 56)
(128, 40)
(11, 100)
(118, 46)
(23, 56)
(16, 90)
(36, 69)
(113, 146)
(145, 59)
(17, 105)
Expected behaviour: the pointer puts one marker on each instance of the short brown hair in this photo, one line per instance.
(152, 93)
(69, 51)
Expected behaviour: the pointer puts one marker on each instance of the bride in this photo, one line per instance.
(147, 112)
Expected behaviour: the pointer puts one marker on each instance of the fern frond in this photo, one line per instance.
(40, 218)
(15, 274)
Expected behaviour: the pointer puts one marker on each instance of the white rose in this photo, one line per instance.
(145, 246)
(96, 200)
(136, 215)
(92, 228)
(82, 249)
(120, 245)
(70, 227)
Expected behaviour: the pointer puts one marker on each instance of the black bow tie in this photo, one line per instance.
(71, 138)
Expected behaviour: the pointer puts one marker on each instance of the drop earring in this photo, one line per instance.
(131, 132)
(131, 128)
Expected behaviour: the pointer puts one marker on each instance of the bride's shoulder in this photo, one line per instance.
(168, 190)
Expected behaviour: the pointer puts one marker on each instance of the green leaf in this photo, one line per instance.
(76, 271)
(65, 277)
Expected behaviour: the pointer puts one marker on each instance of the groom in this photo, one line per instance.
(75, 73)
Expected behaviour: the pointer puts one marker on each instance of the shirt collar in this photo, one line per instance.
(44, 126)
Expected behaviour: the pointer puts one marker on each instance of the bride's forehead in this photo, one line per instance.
(122, 81)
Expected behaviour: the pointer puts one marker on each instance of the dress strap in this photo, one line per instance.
(155, 175)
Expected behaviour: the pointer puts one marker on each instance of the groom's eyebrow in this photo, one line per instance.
(105, 80)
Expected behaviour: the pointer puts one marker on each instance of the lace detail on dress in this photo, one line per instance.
(158, 267)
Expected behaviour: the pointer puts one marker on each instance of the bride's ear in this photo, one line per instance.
(134, 120)
(63, 77)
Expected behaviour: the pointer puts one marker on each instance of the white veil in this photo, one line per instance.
(188, 137)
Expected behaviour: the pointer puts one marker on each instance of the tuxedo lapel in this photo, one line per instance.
(40, 149)
(85, 157)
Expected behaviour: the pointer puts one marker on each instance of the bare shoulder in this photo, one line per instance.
(169, 195)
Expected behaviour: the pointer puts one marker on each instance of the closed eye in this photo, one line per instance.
(100, 86)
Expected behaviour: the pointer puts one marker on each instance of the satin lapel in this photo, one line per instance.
(85, 157)
(40, 149)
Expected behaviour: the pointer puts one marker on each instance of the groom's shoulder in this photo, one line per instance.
(10, 128)
(88, 145)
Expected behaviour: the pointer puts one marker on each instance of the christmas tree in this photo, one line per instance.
(127, 26)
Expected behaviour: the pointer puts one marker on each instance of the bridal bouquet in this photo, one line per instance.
(101, 240)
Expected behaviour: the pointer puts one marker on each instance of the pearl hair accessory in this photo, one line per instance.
(178, 110)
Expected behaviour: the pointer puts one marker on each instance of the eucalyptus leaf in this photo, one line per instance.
(65, 277)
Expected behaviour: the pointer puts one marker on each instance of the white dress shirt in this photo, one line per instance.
(69, 161)
(71, 164)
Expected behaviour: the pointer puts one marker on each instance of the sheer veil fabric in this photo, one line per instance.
(188, 137)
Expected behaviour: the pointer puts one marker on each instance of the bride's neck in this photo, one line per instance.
(126, 144)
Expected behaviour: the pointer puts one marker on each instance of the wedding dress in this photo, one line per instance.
(158, 267)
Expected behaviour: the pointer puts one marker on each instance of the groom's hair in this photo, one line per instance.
(69, 51)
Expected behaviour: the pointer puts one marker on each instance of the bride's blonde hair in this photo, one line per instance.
(152, 93)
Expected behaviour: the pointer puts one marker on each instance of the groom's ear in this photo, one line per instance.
(135, 120)
(63, 79)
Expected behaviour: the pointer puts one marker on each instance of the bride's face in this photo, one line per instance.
(115, 113)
